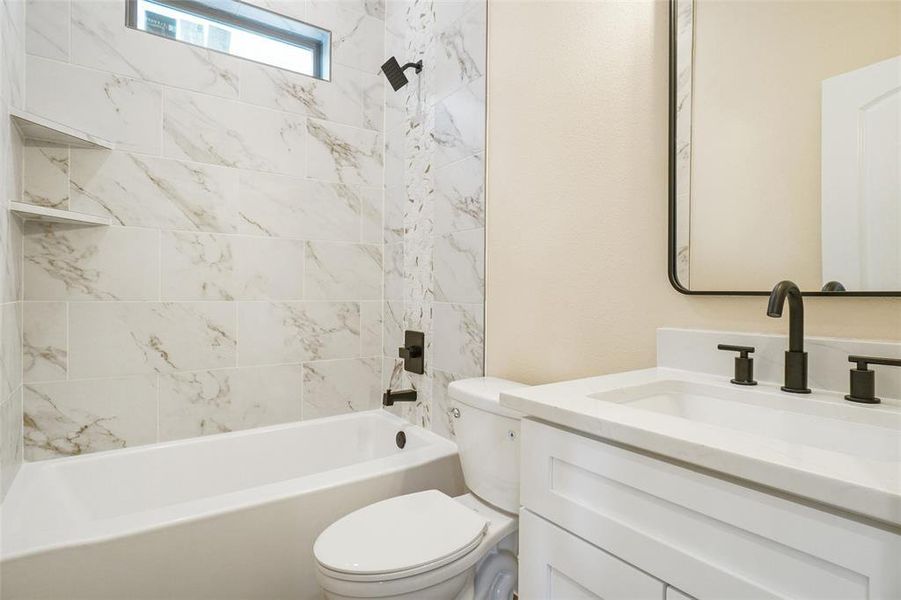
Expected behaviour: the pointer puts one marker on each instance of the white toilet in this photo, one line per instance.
(428, 545)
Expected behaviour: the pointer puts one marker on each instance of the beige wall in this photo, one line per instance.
(576, 231)
(758, 69)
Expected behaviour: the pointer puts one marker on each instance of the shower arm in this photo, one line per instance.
(415, 65)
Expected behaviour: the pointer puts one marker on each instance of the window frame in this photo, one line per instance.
(208, 9)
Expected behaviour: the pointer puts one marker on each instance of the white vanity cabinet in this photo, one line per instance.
(601, 521)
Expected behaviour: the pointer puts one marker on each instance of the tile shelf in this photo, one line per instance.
(32, 212)
(37, 131)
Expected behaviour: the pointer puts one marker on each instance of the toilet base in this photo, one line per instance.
(456, 588)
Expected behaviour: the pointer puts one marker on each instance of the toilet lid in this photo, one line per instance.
(399, 534)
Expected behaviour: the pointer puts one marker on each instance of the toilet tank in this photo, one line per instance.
(488, 439)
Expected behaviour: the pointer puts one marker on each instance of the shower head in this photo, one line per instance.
(395, 73)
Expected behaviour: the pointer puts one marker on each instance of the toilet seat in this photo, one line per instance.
(399, 537)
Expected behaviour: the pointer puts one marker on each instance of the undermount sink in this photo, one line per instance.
(829, 425)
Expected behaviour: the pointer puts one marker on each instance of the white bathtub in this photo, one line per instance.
(229, 516)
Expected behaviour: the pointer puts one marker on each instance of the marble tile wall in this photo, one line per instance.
(434, 199)
(241, 283)
(12, 86)
(272, 237)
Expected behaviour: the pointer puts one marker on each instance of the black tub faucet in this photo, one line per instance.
(390, 396)
(795, 357)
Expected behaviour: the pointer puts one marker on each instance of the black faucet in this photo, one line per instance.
(390, 396)
(795, 357)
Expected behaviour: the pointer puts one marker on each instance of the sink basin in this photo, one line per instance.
(816, 446)
(829, 425)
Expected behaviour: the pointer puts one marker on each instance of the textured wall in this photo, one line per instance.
(12, 56)
(241, 282)
(577, 218)
(434, 199)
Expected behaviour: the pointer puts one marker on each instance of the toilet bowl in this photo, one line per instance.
(428, 545)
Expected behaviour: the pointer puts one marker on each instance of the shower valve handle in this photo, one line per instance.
(405, 352)
(412, 352)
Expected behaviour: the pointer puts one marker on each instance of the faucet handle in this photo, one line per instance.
(744, 364)
(863, 380)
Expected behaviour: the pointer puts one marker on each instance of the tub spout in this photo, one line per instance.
(390, 397)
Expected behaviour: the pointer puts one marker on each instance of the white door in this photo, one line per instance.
(861, 177)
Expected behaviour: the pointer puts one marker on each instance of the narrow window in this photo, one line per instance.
(236, 28)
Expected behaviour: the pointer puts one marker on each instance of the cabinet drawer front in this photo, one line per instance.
(556, 565)
(706, 536)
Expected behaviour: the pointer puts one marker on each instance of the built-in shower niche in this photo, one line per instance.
(46, 149)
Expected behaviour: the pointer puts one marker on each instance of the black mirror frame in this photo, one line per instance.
(671, 233)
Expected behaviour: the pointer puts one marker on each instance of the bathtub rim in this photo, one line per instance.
(174, 515)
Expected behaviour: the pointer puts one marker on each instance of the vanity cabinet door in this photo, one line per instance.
(556, 565)
(706, 536)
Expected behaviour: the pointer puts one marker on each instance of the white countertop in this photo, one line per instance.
(867, 486)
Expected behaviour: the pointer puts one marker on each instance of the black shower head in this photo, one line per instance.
(395, 73)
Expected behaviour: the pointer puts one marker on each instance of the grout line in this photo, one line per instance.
(68, 337)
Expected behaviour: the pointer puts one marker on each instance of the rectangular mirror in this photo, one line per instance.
(785, 146)
(236, 28)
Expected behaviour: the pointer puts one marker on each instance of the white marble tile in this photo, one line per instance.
(295, 9)
(202, 266)
(291, 332)
(459, 130)
(392, 328)
(372, 87)
(197, 266)
(460, 195)
(209, 402)
(11, 238)
(394, 376)
(145, 191)
(47, 176)
(374, 8)
(10, 348)
(371, 328)
(69, 262)
(269, 268)
(395, 200)
(121, 338)
(338, 271)
(280, 206)
(233, 134)
(45, 341)
(396, 156)
(458, 338)
(449, 11)
(460, 267)
(68, 418)
(357, 37)
(344, 154)
(347, 98)
(460, 53)
(336, 387)
(47, 28)
(12, 52)
(442, 420)
(371, 219)
(120, 109)
(11, 447)
(394, 272)
(101, 41)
